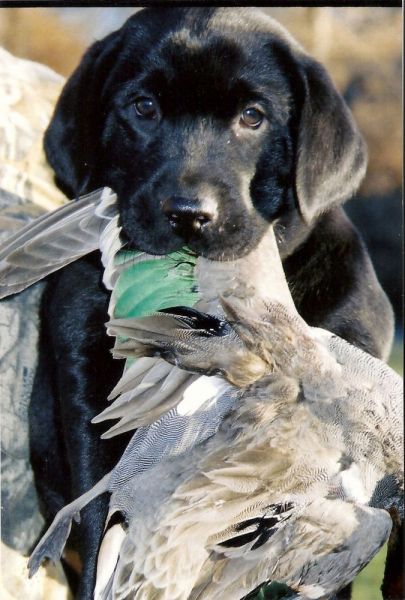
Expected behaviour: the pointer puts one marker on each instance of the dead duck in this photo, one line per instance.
(286, 474)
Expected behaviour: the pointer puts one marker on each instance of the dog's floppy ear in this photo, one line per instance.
(73, 136)
(332, 156)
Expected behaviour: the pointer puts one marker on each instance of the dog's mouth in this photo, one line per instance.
(221, 248)
(181, 245)
(226, 231)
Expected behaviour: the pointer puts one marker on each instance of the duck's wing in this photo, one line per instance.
(149, 388)
(54, 240)
(167, 346)
(196, 418)
(315, 554)
(190, 339)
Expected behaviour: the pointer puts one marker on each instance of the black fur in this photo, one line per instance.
(295, 168)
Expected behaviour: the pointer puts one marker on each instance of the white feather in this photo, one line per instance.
(200, 392)
(107, 559)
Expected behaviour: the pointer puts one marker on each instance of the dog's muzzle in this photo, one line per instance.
(186, 216)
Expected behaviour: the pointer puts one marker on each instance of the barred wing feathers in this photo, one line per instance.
(54, 240)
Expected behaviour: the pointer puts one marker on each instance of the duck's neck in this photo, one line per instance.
(257, 276)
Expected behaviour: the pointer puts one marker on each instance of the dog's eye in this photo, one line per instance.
(146, 108)
(251, 117)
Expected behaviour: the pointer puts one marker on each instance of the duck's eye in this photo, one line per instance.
(146, 108)
(252, 117)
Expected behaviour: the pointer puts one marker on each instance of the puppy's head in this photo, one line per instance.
(209, 124)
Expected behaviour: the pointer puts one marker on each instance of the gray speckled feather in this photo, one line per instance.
(178, 430)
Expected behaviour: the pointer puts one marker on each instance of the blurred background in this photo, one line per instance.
(361, 48)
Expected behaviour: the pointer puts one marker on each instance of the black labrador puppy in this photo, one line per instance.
(207, 123)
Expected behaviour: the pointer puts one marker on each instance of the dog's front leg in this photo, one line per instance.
(75, 374)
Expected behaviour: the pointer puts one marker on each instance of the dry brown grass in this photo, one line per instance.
(39, 35)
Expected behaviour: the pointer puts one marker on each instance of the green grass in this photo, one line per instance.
(367, 584)
(397, 357)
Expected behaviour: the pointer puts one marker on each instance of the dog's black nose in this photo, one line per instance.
(187, 216)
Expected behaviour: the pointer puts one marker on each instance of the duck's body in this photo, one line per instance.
(290, 489)
(285, 473)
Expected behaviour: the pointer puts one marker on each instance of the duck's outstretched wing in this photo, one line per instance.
(54, 240)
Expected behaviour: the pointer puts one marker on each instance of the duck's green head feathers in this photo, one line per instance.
(148, 283)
